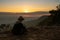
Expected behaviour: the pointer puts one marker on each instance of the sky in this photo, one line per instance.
(27, 5)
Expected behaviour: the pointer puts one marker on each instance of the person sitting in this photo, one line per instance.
(19, 28)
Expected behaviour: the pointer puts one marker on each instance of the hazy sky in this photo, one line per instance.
(27, 5)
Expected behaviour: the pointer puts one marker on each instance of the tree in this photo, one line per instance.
(55, 14)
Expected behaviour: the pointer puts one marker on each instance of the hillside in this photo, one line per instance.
(35, 31)
(35, 22)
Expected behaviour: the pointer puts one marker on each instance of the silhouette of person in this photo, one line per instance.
(19, 28)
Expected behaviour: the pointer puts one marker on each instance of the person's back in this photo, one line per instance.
(18, 28)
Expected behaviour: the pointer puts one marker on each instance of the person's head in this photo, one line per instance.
(20, 19)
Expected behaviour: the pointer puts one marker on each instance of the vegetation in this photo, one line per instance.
(53, 19)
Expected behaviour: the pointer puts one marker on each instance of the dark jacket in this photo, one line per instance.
(18, 29)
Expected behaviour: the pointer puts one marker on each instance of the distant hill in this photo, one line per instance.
(39, 12)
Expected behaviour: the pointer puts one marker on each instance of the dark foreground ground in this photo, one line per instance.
(35, 33)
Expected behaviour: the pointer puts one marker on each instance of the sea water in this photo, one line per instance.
(9, 18)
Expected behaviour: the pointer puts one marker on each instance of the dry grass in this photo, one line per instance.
(35, 33)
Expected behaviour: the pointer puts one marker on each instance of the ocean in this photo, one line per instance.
(9, 18)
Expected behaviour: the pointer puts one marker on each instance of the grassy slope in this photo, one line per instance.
(36, 33)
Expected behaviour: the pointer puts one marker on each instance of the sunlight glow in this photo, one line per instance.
(26, 10)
